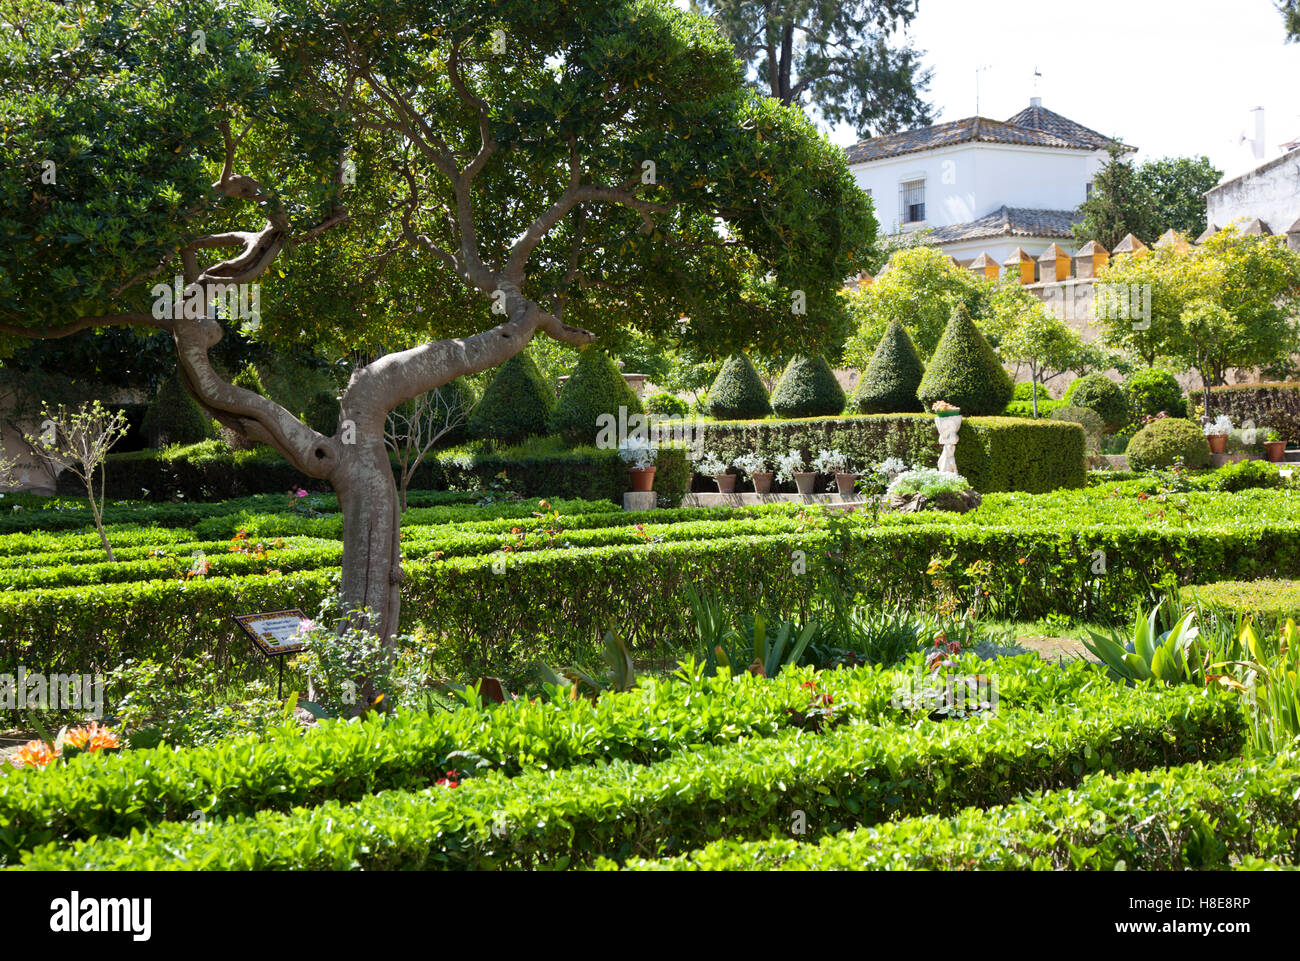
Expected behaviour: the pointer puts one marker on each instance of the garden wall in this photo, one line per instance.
(1268, 405)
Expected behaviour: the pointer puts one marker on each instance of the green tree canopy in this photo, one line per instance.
(1176, 187)
(841, 58)
(1120, 204)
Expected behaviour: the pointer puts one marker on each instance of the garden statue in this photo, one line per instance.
(948, 422)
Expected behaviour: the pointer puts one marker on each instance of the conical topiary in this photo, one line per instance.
(175, 417)
(965, 371)
(808, 388)
(738, 392)
(888, 385)
(595, 387)
(516, 404)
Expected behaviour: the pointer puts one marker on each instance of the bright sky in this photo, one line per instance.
(1171, 77)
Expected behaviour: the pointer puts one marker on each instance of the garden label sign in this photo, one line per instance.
(274, 631)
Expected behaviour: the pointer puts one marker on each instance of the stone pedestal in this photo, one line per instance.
(640, 501)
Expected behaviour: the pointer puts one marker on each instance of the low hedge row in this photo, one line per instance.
(993, 453)
(487, 611)
(1269, 603)
(1194, 817)
(112, 795)
(849, 775)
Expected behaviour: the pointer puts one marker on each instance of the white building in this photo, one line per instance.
(984, 186)
(1265, 200)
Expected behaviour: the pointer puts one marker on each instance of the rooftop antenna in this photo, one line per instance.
(978, 71)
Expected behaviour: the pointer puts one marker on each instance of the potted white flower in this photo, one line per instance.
(1217, 433)
(713, 466)
(791, 467)
(755, 466)
(834, 462)
(639, 455)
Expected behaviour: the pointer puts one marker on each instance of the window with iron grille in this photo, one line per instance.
(911, 201)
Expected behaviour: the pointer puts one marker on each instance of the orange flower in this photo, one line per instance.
(34, 754)
(92, 737)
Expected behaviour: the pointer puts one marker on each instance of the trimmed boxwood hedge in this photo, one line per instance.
(808, 388)
(890, 382)
(1269, 603)
(516, 404)
(858, 773)
(1161, 442)
(738, 392)
(964, 371)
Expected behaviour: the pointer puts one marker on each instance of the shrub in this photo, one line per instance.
(1162, 442)
(1025, 408)
(1248, 475)
(808, 388)
(965, 371)
(516, 404)
(1098, 392)
(840, 777)
(1088, 419)
(1153, 390)
(175, 417)
(249, 379)
(738, 392)
(889, 384)
(596, 387)
(1015, 454)
(1268, 603)
(1024, 390)
(665, 404)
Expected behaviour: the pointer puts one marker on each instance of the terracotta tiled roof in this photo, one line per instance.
(1040, 118)
(1009, 222)
(1032, 127)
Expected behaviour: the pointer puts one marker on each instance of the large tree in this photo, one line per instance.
(441, 179)
(1176, 187)
(1291, 14)
(1120, 204)
(838, 57)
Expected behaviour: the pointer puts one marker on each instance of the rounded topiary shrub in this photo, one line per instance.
(1154, 390)
(1161, 442)
(738, 392)
(965, 371)
(808, 388)
(667, 405)
(1024, 390)
(516, 404)
(1098, 392)
(1088, 419)
(888, 385)
(175, 417)
(595, 387)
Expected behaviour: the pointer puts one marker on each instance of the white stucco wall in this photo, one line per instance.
(1270, 193)
(967, 181)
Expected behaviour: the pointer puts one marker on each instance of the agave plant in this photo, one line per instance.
(583, 680)
(1172, 656)
(726, 649)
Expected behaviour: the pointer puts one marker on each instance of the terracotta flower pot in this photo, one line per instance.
(644, 479)
(1275, 450)
(845, 484)
(805, 481)
(1218, 443)
(762, 482)
(726, 483)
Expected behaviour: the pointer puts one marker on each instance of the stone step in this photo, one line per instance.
(750, 499)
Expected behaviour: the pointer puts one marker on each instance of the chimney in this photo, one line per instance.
(1035, 101)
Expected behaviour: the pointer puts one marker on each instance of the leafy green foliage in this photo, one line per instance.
(1176, 187)
(667, 405)
(1163, 442)
(249, 379)
(964, 371)
(516, 404)
(1088, 419)
(1153, 390)
(594, 388)
(1119, 204)
(1146, 653)
(808, 388)
(174, 417)
(1099, 393)
(738, 392)
(890, 382)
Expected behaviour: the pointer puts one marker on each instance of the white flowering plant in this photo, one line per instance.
(787, 465)
(750, 464)
(891, 467)
(927, 481)
(1222, 426)
(711, 465)
(638, 454)
(830, 462)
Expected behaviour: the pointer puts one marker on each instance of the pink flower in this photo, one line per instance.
(300, 493)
